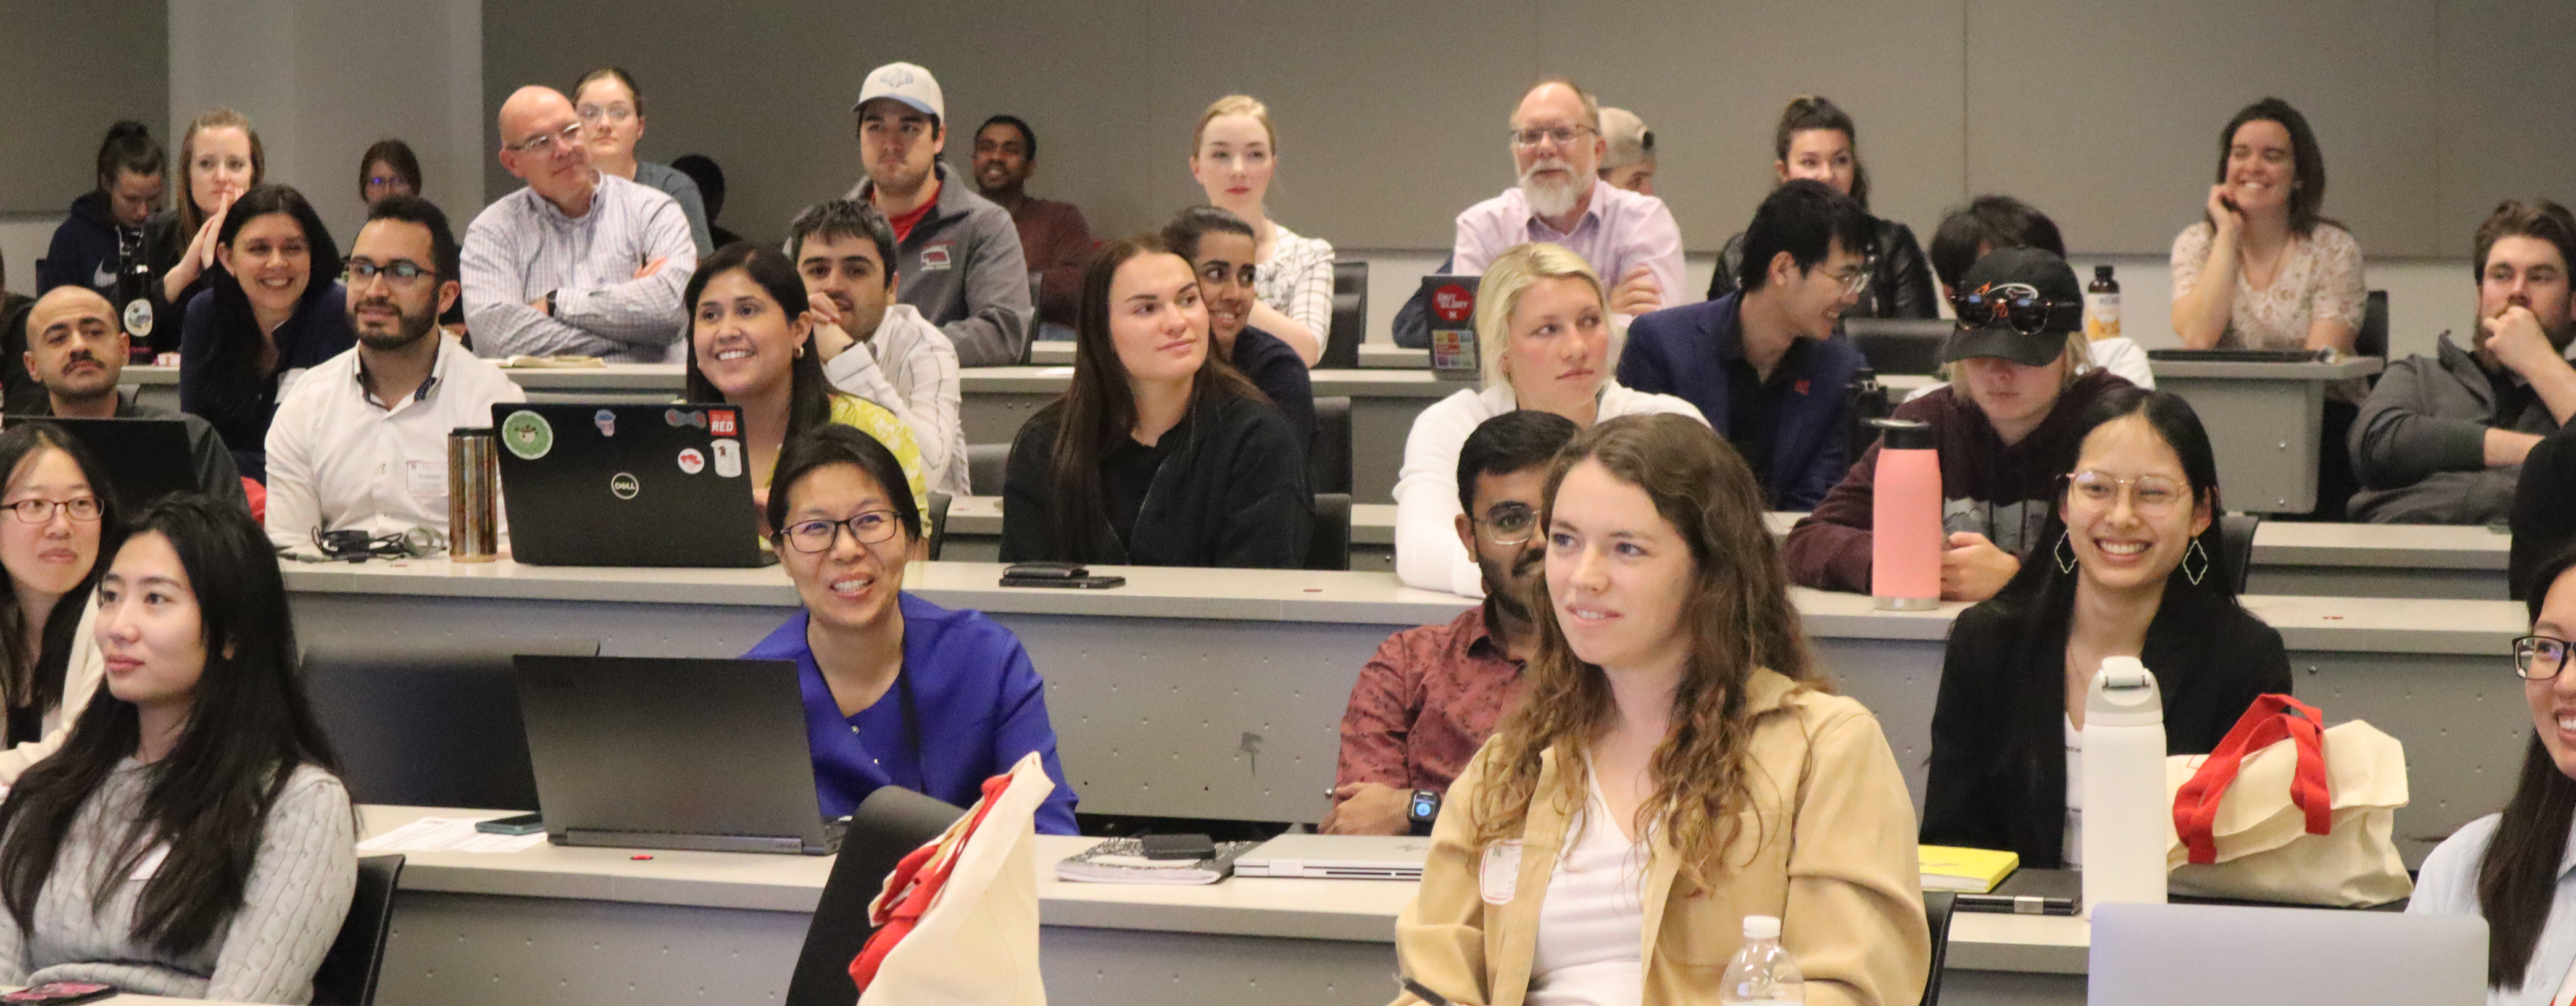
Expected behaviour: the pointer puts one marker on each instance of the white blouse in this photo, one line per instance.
(1592, 924)
(1297, 280)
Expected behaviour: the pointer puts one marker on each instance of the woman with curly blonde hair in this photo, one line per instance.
(1677, 764)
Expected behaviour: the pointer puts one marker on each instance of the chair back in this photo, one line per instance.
(2372, 339)
(1330, 546)
(1328, 459)
(1350, 316)
(356, 959)
(934, 525)
(432, 724)
(889, 824)
(2236, 548)
(986, 466)
(1936, 912)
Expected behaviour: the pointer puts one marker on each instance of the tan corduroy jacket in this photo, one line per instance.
(1833, 857)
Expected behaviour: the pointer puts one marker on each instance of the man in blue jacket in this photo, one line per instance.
(1761, 362)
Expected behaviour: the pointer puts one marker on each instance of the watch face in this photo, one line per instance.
(1426, 805)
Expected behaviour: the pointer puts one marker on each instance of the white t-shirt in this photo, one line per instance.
(2074, 851)
(1592, 924)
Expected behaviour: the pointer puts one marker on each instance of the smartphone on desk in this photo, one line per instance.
(1069, 575)
(58, 994)
(523, 824)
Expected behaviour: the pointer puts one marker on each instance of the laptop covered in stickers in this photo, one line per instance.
(587, 484)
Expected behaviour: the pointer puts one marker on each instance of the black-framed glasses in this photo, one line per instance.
(42, 511)
(2539, 658)
(566, 138)
(2018, 305)
(1509, 524)
(1564, 136)
(867, 528)
(362, 272)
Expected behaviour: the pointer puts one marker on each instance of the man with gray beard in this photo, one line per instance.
(1630, 239)
(361, 441)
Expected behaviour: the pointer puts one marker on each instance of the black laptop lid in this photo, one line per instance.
(145, 459)
(627, 485)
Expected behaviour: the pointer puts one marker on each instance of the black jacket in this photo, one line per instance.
(86, 243)
(1281, 374)
(1998, 767)
(1231, 495)
(1900, 286)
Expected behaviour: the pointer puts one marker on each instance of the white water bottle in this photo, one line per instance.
(1762, 973)
(2127, 819)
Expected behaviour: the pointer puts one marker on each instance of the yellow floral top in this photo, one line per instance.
(875, 421)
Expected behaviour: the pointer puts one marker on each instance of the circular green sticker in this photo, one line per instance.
(527, 435)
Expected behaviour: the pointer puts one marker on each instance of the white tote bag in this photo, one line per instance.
(970, 901)
(2261, 838)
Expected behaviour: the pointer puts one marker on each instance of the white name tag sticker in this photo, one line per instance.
(150, 865)
(286, 381)
(425, 478)
(1500, 876)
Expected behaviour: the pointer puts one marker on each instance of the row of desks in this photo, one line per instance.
(604, 926)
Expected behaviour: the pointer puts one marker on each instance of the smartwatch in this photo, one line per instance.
(1422, 808)
(550, 303)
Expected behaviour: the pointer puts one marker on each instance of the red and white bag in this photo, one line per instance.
(2288, 810)
(958, 919)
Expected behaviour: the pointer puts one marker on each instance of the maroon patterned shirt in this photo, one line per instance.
(1425, 703)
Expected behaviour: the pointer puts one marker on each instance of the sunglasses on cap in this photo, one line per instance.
(2017, 305)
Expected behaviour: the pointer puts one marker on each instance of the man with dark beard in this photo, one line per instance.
(1431, 695)
(1630, 239)
(76, 352)
(361, 441)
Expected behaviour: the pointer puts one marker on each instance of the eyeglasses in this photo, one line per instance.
(1563, 136)
(2539, 658)
(39, 511)
(362, 272)
(818, 535)
(2018, 305)
(1510, 524)
(593, 114)
(2149, 495)
(1854, 279)
(567, 138)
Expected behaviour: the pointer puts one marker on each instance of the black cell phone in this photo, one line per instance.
(522, 824)
(1074, 576)
(58, 994)
(1177, 846)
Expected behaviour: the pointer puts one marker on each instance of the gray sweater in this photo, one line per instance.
(299, 892)
(961, 267)
(2419, 444)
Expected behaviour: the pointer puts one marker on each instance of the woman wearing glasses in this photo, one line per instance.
(2004, 429)
(611, 108)
(56, 528)
(276, 310)
(1816, 140)
(1232, 155)
(2511, 867)
(2127, 568)
(898, 691)
(1543, 326)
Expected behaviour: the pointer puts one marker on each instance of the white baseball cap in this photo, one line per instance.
(907, 83)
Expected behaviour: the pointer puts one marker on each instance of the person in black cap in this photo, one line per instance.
(2020, 375)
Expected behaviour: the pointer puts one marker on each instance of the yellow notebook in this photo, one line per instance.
(1975, 871)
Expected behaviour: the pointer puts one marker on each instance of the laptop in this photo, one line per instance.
(2235, 355)
(1452, 303)
(1899, 345)
(2226, 955)
(627, 485)
(1337, 857)
(145, 459)
(620, 748)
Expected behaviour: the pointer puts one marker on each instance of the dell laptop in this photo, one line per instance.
(627, 485)
(1337, 857)
(621, 747)
(145, 459)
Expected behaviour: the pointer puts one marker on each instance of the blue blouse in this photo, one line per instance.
(981, 704)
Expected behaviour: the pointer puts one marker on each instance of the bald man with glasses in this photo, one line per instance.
(579, 261)
(1556, 145)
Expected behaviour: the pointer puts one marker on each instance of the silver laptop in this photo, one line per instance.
(2227, 955)
(1337, 857)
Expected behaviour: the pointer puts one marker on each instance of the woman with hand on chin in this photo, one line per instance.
(192, 838)
(2127, 570)
(751, 344)
(276, 310)
(898, 691)
(1159, 454)
(1542, 326)
(221, 158)
(1676, 764)
(1232, 155)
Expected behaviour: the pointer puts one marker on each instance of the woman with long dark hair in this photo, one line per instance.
(275, 311)
(1675, 748)
(2127, 567)
(1160, 453)
(751, 343)
(61, 520)
(2511, 867)
(192, 838)
(1220, 246)
(1816, 139)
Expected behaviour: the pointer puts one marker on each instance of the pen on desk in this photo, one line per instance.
(1421, 991)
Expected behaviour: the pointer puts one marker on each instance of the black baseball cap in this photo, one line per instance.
(1992, 336)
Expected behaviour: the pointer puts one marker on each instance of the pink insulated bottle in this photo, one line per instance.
(1905, 536)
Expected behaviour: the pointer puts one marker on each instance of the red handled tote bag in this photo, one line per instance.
(958, 919)
(2289, 810)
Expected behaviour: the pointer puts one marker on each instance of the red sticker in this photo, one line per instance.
(720, 422)
(692, 462)
(1452, 302)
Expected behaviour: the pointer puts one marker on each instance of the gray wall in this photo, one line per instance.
(67, 70)
(2105, 115)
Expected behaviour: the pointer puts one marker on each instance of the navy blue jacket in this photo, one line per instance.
(1680, 351)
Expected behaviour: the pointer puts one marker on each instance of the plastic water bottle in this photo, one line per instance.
(2126, 816)
(1762, 973)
